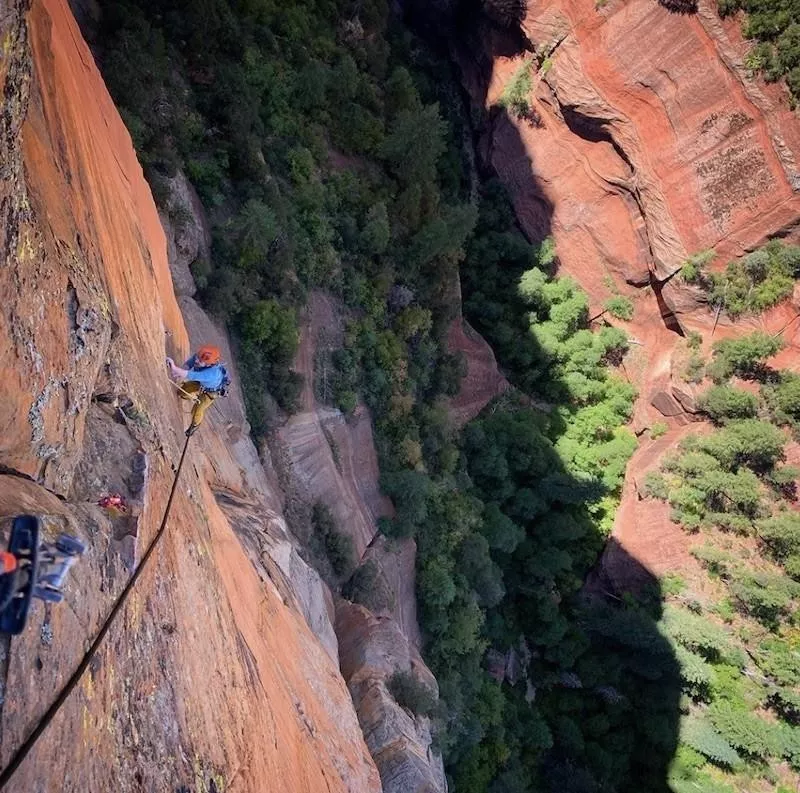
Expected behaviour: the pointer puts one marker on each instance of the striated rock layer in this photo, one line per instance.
(211, 678)
(372, 649)
(645, 142)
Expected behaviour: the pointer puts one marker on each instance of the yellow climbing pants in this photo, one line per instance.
(201, 398)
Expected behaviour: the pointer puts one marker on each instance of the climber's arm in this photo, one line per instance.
(176, 371)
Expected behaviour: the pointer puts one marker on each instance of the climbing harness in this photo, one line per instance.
(194, 396)
(69, 686)
(222, 391)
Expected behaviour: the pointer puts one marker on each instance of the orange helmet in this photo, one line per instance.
(208, 355)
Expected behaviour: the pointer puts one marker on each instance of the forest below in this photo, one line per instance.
(328, 143)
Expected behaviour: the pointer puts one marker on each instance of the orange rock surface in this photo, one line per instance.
(207, 680)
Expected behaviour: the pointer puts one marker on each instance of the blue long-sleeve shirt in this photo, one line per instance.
(209, 377)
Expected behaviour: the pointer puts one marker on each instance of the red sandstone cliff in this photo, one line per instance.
(650, 143)
(211, 678)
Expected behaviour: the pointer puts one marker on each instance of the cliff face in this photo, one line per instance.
(211, 678)
(646, 142)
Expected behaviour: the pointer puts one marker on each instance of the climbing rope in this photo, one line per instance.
(30, 741)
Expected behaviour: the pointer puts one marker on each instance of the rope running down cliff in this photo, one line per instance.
(30, 741)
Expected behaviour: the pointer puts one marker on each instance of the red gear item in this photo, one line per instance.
(114, 504)
(8, 562)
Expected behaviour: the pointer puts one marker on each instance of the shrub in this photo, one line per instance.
(368, 586)
(619, 307)
(694, 341)
(788, 739)
(410, 693)
(701, 736)
(756, 444)
(745, 731)
(786, 703)
(701, 636)
(695, 368)
(696, 674)
(765, 596)
(338, 547)
(716, 561)
(780, 659)
(723, 402)
(760, 280)
(671, 584)
(785, 399)
(774, 25)
(743, 356)
(781, 534)
(515, 94)
(693, 270)
(658, 429)
(709, 493)
(725, 610)
(655, 486)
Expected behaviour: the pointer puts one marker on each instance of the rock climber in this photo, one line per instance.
(203, 378)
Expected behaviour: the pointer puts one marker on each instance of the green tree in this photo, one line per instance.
(724, 402)
(483, 574)
(272, 329)
(781, 534)
(701, 736)
(256, 229)
(435, 583)
(414, 144)
(787, 399)
(757, 444)
(743, 356)
(745, 731)
(376, 232)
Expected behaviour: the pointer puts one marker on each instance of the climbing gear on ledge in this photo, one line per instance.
(115, 504)
(39, 571)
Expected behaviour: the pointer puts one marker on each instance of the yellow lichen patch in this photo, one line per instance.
(88, 687)
(26, 250)
(134, 610)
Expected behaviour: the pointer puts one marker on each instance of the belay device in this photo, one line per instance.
(40, 573)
